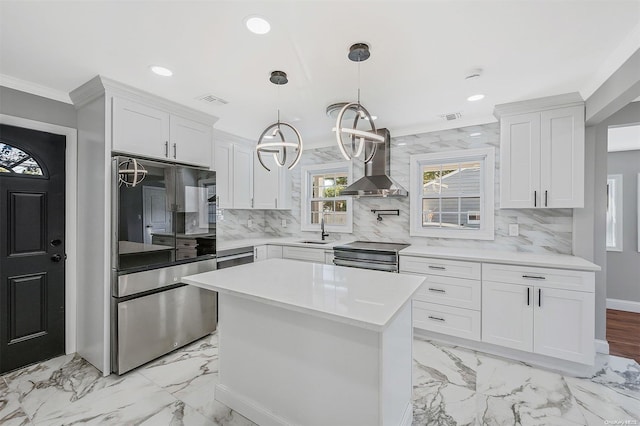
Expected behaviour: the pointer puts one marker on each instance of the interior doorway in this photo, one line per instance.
(32, 246)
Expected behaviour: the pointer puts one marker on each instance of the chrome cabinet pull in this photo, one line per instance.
(528, 296)
(539, 297)
(175, 151)
(437, 290)
(535, 198)
(166, 149)
(436, 318)
(439, 268)
(534, 277)
(546, 193)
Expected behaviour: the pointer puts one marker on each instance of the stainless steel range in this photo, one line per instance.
(369, 255)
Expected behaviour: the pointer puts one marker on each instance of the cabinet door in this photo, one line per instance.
(520, 161)
(507, 318)
(259, 253)
(266, 184)
(564, 324)
(274, 252)
(190, 141)
(139, 129)
(242, 177)
(562, 157)
(224, 173)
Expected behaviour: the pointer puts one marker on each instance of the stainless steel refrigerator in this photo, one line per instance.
(163, 228)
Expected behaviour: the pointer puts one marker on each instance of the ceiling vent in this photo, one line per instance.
(451, 116)
(214, 100)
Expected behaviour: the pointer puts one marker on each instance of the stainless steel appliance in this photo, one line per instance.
(376, 181)
(369, 255)
(234, 257)
(164, 226)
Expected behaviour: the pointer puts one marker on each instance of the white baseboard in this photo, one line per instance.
(602, 346)
(623, 305)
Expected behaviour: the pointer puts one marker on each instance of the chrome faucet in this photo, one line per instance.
(323, 234)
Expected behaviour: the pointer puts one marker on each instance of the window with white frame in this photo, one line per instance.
(322, 186)
(452, 194)
(614, 213)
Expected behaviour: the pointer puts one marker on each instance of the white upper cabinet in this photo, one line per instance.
(224, 173)
(234, 173)
(271, 189)
(191, 142)
(242, 177)
(542, 153)
(144, 130)
(140, 129)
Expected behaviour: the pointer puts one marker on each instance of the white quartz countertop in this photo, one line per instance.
(561, 261)
(278, 241)
(360, 297)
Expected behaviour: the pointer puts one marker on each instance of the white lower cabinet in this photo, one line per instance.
(547, 321)
(303, 253)
(457, 322)
(507, 315)
(544, 311)
(274, 252)
(328, 257)
(260, 253)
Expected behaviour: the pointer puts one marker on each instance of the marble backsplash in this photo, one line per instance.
(541, 230)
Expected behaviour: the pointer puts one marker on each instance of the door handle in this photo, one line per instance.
(57, 258)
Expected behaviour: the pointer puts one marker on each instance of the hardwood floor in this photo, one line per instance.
(623, 333)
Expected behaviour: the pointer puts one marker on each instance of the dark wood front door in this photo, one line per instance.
(32, 246)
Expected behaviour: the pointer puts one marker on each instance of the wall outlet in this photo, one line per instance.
(249, 223)
(514, 230)
(284, 223)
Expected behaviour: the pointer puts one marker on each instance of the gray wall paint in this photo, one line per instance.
(25, 105)
(541, 230)
(623, 268)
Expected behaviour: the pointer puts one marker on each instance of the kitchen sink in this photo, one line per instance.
(314, 242)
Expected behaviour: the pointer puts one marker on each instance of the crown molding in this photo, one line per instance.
(539, 104)
(100, 85)
(34, 88)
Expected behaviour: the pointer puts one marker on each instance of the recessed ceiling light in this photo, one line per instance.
(257, 25)
(476, 134)
(165, 72)
(474, 98)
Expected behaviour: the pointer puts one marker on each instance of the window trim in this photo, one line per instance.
(305, 198)
(616, 194)
(487, 190)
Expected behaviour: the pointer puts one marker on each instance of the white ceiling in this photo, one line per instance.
(420, 54)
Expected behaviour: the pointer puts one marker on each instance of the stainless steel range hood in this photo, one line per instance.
(376, 181)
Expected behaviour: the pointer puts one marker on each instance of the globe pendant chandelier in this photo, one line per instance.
(358, 52)
(277, 131)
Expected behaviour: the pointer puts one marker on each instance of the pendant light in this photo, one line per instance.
(277, 130)
(358, 52)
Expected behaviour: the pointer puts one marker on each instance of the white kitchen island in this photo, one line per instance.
(312, 344)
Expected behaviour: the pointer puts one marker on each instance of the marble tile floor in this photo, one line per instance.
(452, 386)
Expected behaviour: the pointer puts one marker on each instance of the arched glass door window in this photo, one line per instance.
(15, 161)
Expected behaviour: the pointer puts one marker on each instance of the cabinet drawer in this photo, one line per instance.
(447, 268)
(447, 320)
(540, 277)
(456, 292)
(299, 253)
(186, 253)
(162, 240)
(186, 243)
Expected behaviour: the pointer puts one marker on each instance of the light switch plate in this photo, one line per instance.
(513, 230)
